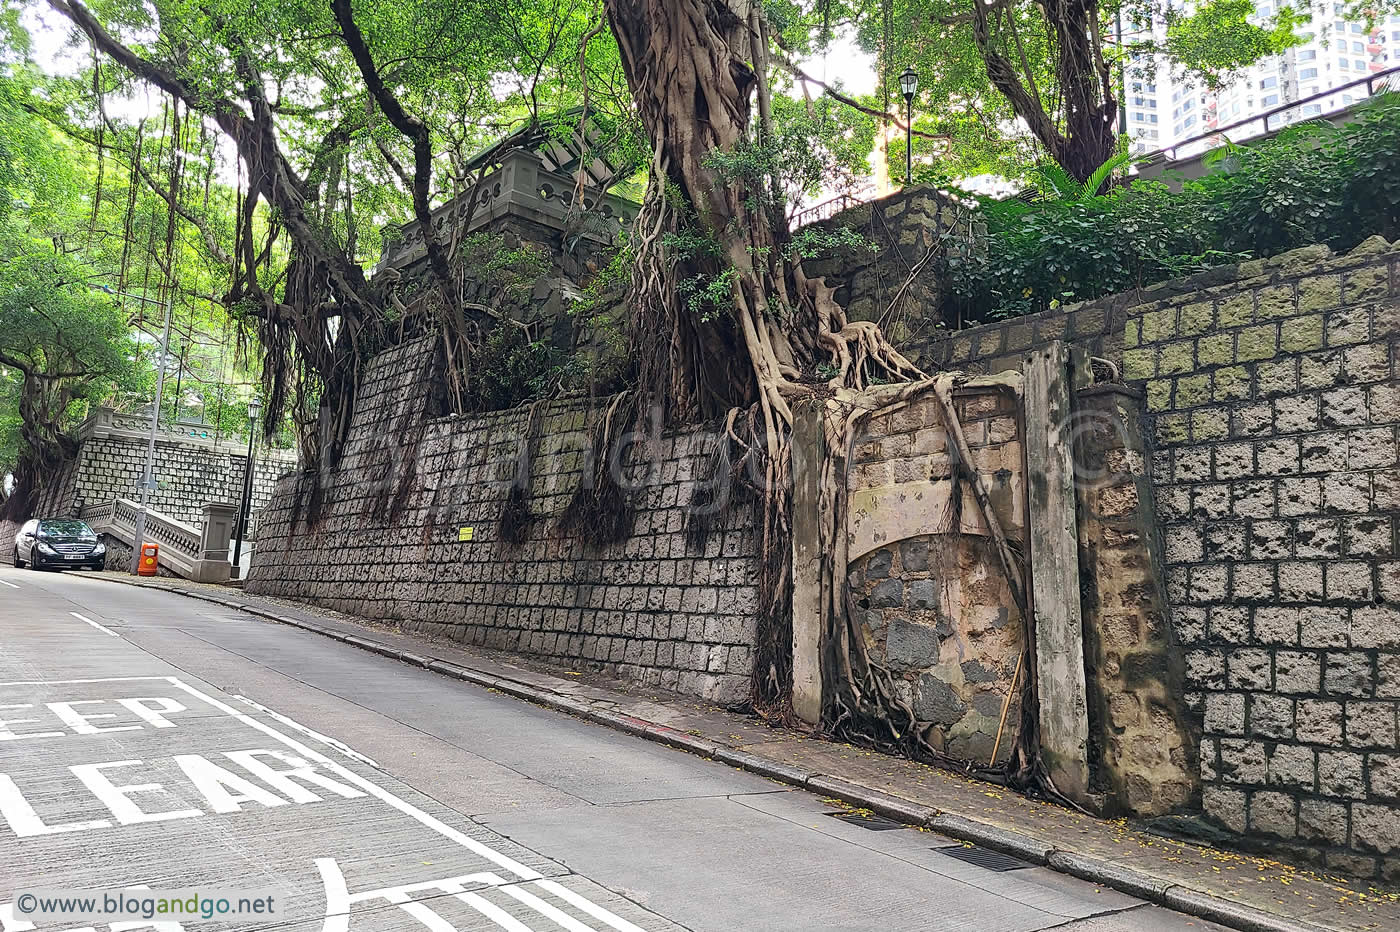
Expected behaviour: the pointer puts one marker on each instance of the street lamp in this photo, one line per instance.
(254, 410)
(909, 86)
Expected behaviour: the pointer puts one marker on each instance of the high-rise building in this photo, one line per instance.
(1337, 52)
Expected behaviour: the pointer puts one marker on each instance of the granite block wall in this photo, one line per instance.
(1275, 407)
(891, 283)
(188, 475)
(1270, 413)
(389, 542)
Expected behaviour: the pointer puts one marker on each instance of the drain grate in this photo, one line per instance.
(876, 823)
(985, 858)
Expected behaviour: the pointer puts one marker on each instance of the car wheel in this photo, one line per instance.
(19, 564)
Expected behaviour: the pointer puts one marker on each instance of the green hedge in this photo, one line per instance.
(1310, 184)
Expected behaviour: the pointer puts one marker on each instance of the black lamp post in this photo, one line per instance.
(241, 528)
(909, 86)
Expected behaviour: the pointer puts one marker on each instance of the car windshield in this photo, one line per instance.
(65, 527)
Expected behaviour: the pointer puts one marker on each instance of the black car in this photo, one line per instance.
(58, 542)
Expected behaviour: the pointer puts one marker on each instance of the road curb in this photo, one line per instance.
(1084, 867)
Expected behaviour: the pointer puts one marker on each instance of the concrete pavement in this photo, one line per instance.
(155, 740)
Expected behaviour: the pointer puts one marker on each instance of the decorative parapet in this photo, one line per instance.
(519, 185)
(105, 423)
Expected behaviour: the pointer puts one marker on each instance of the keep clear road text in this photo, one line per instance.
(150, 782)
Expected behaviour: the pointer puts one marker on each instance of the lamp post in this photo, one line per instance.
(148, 477)
(908, 86)
(241, 528)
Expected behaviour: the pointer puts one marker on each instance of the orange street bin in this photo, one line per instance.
(150, 555)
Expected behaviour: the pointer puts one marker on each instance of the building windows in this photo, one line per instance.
(1358, 46)
(1307, 55)
(1270, 100)
(1188, 122)
(1343, 64)
(1312, 110)
(1307, 73)
(1266, 83)
(1360, 65)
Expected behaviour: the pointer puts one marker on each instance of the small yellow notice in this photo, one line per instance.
(465, 534)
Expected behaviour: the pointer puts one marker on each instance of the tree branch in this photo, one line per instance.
(836, 95)
(413, 128)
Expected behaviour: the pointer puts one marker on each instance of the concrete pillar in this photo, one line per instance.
(1054, 557)
(217, 530)
(808, 455)
(212, 565)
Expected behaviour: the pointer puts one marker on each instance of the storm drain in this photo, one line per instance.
(876, 823)
(985, 858)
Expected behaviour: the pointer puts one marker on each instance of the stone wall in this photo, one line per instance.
(1143, 742)
(1275, 408)
(934, 601)
(388, 545)
(191, 468)
(1270, 407)
(189, 476)
(896, 283)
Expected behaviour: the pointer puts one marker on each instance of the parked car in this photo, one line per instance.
(59, 543)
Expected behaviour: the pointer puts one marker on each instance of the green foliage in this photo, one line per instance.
(816, 242)
(511, 369)
(1308, 185)
(1217, 38)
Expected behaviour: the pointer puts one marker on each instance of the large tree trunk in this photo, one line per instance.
(688, 67)
(697, 70)
(1088, 137)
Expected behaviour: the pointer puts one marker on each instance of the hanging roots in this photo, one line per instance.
(601, 512)
(516, 516)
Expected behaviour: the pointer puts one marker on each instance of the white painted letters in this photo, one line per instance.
(25, 822)
(224, 790)
(7, 735)
(116, 798)
(281, 780)
(153, 709)
(82, 723)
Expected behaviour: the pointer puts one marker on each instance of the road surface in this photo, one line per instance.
(150, 740)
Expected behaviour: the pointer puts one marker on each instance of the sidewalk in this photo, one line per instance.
(1236, 890)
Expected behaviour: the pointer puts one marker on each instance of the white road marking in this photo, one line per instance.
(104, 630)
(297, 726)
(100, 679)
(588, 906)
(337, 919)
(10, 584)
(407, 808)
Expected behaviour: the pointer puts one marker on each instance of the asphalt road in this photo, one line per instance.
(148, 740)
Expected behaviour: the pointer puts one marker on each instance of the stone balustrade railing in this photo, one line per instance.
(198, 553)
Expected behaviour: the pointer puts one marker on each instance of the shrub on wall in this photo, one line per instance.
(1313, 183)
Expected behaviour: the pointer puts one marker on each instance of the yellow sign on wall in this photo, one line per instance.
(465, 534)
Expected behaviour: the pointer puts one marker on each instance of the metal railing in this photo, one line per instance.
(1379, 83)
(827, 209)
